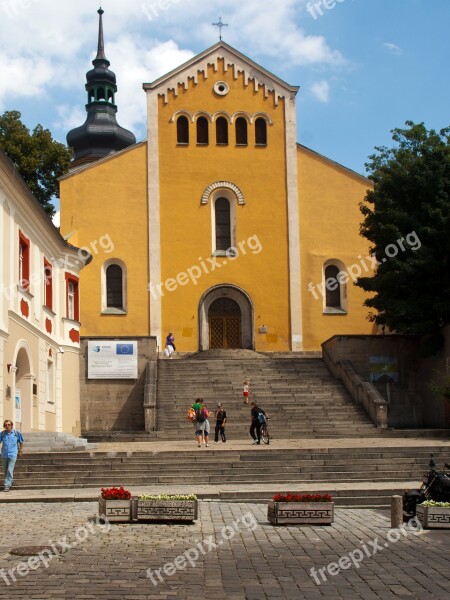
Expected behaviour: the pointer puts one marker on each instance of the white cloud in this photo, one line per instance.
(69, 117)
(139, 64)
(23, 76)
(321, 90)
(392, 47)
(46, 49)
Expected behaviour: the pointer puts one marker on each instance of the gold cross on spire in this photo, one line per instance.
(220, 25)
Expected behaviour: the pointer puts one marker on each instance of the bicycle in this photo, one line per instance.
(265, 435)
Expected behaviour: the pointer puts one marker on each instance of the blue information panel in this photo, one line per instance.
(112, 359)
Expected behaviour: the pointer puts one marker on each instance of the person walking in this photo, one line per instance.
(221, 419)
(201, 423)
(256, 422)
(206, 431)
(170, 345)
(12, 442)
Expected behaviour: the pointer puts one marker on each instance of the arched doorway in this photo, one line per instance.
(225, 318)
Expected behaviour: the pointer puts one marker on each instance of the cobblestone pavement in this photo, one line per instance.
(230, 553)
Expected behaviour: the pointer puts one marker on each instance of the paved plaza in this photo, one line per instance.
(230, 553)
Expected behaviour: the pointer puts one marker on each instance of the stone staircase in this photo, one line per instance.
(361, 476)
(45, 441)
(302, 399)
(300, 395)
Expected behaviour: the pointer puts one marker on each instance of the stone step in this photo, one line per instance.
(44, 441)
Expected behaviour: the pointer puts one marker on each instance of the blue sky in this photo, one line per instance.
(363, 66)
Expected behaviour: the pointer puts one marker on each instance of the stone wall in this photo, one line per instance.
(411, 402)
(114, 404)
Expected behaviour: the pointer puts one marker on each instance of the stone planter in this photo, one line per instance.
(433, 517)
(166, 510)
(300, 513)
(118, 511)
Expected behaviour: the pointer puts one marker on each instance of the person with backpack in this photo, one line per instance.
(12, 442)
(201, 423)
(221, 419)
(258, 417)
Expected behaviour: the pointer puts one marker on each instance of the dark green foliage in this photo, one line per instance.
(39, 159)
(411, 194)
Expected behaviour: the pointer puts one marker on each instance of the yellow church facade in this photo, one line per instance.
(220, 228)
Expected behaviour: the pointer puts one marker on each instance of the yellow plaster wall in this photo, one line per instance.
(105, 205)
(330, 218)
(186, 237)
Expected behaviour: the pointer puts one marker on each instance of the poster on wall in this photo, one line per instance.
(17, 406)
(383, 369)
(112, 359)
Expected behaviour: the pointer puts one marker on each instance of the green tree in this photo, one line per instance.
(411, 195)
(39, 159)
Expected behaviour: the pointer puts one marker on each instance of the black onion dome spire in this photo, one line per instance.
(101, 134)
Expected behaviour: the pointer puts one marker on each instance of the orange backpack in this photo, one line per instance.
(190, 415)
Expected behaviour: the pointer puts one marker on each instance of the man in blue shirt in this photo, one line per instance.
(12, 442)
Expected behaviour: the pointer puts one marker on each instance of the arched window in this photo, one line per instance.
(260, 132)
(114, 287)
(222, 131)
(332, 287)
(101, 94)
(223, 232)
(182, 130)
(202, 130)
(241, 132)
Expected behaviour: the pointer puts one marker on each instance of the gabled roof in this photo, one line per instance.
(232, 58)
(336, 164)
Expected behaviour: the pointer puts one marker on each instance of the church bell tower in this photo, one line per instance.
(100, 135)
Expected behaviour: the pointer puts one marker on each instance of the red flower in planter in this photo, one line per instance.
(115, 493)
(293, 497)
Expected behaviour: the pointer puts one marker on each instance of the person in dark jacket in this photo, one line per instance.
(257, 421)
(221, 419)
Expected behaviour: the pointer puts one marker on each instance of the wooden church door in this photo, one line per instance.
(225, 324)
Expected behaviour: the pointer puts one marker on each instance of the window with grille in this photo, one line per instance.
(114, 287)
(223, 233)
(222, 131)
(202, 130)
(182, 130)
(332, 287)
(260, 132)
(241, 132)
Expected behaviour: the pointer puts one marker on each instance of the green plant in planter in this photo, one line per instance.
(432, 503)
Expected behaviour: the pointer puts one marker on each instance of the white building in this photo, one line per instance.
(39, 313)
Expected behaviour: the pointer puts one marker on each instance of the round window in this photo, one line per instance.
(221, 88)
